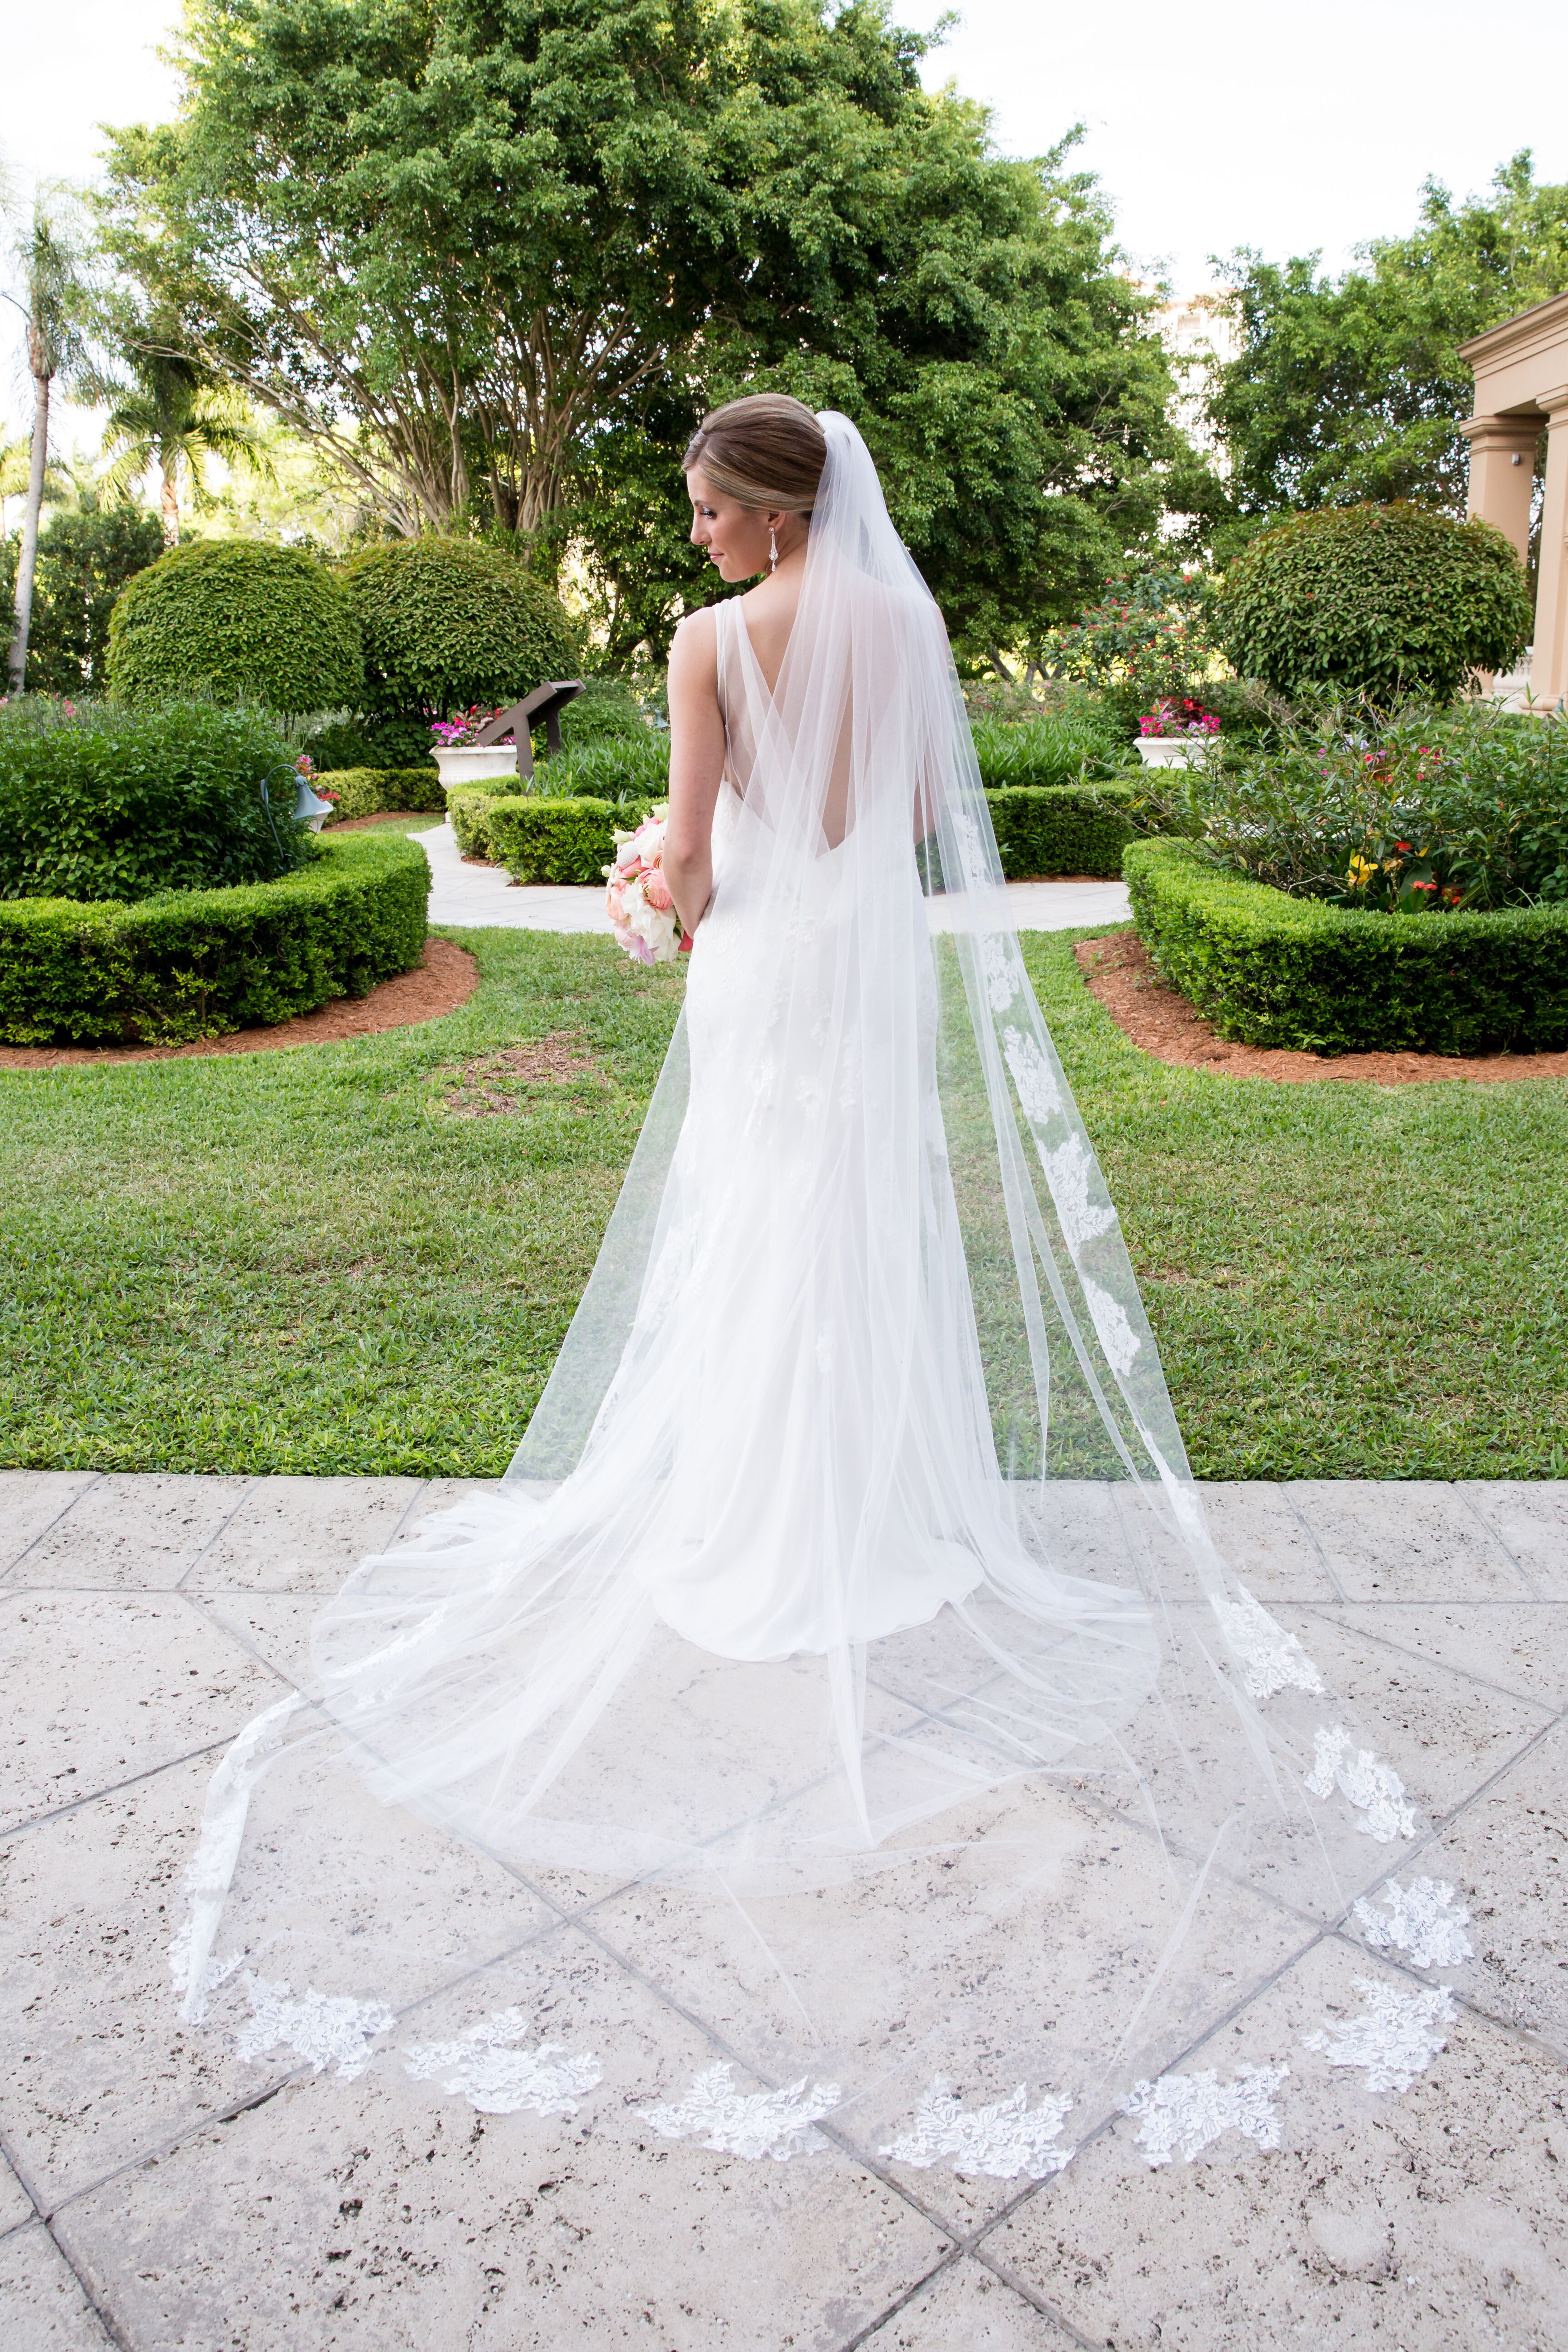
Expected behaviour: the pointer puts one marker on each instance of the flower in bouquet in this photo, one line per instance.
(642, 911)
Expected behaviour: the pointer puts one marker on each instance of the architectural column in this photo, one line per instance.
(1549, 670)
(1502, 474)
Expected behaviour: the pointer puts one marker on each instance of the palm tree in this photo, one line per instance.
(48, 258)
(173, 415)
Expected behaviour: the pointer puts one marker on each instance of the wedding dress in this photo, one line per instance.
(848, 1600)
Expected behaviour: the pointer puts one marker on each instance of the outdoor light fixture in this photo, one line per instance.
(309, 808)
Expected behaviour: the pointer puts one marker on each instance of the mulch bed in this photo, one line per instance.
(446, 978)
(1159, 1019)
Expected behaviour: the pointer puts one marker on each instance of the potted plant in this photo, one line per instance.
(460, 760)
(1174, 732)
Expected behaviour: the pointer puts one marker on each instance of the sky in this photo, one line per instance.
(1220, 123)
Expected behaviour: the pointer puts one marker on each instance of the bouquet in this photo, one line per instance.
(642, 912)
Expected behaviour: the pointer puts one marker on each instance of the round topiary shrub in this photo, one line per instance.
(239, 620)
(109, 803)
(1386, 602)
(448, 623)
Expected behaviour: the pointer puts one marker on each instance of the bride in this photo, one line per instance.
(849, 1599)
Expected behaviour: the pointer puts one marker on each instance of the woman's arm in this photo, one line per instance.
(697, 755)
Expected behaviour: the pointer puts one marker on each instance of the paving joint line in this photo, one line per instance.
(240, 1500)
(1425, 1658)
(1463, 1487)
(45, 2218)
(96, 1479)
(1282, 1486)
(115, 1789)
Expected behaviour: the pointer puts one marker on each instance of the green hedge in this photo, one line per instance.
(448, 623)
(560, 841)
(365, 792)
(1270, 969)
(1065, 829)
(199, 963)
(240, 619)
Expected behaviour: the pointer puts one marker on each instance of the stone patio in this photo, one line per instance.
(154, 2199)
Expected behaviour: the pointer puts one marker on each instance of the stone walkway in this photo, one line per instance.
(159, 2196)
(482, 897)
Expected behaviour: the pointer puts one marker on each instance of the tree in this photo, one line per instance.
(87, 553)
(173, 414)
(53, 300)
(503, 258)
(1350, 389)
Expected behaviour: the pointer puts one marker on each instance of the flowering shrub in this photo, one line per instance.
(1183, 716)
(454, 733)
(1412, 815)
(1150, 640)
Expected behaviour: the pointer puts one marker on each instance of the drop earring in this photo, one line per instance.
(772, 550)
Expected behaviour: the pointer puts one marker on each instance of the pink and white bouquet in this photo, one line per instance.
(642, 912)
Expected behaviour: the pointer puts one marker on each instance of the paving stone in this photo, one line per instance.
(1444, 1733)
(1433, 2221)
(1517, 1645)
(386, 2214)
(130, 1532)
(100, 1688)
(1261, 1537)
(42, 2306)
(967, 2309)
(1405, 1540)
(30, 1502)
(1531, 1520)
(98, 2067)
(304, 1535)
(1509, 1854)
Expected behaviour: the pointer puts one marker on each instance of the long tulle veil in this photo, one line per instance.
(849, 1601)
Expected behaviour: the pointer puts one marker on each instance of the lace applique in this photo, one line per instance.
(967, 833)
(481, 2067)
(325, 2028)
(1117, 1336)
(1001, 981)
(1069, 1169)
(1032, 1075)
(1376, 1790)
(208, 1877)
(1423, 1919)
(750, 2123)
(1186, 2112)
(1271, 1659)
(1000, 2141)
(1396, 2039)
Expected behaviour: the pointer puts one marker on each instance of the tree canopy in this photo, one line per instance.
(498, 258)
(1352, 388)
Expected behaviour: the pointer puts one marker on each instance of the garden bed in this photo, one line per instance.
(1270, 969)
(199, 963)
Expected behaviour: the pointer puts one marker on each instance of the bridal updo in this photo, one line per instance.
(766, 450)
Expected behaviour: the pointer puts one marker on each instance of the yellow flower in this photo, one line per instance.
(1361, 873)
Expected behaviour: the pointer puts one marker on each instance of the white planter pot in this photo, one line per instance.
(467, 764)
(1173, 750)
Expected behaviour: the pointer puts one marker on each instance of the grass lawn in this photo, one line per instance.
(323, 1260)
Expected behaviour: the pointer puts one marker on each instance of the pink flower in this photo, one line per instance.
(655, 890)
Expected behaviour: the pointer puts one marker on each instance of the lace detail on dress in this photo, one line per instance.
(1397, 2038)
(1000, 2141)
(1271, 1659)
(750, 2123)
(1003, 981)
(325, 2028)
(1069, 1169)
(1425, 1919)
(1184, 2111)
(1117, 1336)
(481, 2066)
(1376, 1789)
(1032, 1074)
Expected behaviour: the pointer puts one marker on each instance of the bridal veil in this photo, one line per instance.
(848, 1609)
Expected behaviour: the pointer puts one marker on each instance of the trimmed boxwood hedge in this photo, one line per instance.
(539, 840)
(1061, 829)
(365, 792)
(198, 963)
(236, 618)
(1269, 968)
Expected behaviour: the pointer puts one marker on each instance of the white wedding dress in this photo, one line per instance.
(850, 1589)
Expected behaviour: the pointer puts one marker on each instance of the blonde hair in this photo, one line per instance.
(766, 450)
